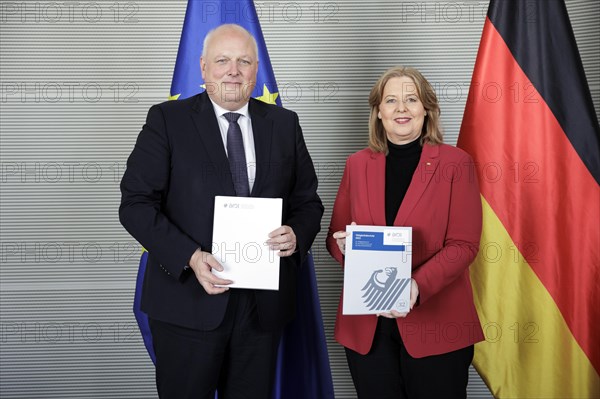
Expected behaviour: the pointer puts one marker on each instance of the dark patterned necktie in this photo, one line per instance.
(237, 156)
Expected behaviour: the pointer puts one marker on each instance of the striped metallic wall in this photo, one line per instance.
(76, 81)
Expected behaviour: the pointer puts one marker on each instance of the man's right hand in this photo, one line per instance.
(202, 264)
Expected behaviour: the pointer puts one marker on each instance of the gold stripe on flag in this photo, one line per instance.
(529, 350)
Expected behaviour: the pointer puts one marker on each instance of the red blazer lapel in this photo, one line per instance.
(376, 188)
(423, 174)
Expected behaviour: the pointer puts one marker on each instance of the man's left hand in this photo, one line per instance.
(284, 240)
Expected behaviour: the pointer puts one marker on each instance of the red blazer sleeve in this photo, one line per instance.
(461, 242)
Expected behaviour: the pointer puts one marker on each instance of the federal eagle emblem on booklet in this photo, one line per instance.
(377, 269)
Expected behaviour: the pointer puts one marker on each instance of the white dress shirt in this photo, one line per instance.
(247, 135)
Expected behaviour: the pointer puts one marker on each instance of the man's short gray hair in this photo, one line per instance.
(234, 27)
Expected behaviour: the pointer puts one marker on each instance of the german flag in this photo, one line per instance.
(531, 127)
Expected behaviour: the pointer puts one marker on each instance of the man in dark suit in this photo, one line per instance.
(207, 336)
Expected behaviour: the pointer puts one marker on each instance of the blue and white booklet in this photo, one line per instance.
(377, 269)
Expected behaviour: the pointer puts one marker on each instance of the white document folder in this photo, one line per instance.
(240, 231)
(377, 269)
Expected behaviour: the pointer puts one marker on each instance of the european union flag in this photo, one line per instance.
(303, 369)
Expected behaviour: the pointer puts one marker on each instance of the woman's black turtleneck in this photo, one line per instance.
(400, 165)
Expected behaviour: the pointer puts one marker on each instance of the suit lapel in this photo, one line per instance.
(376, 188)
(262, 130)
(423, 174)
(207, 126)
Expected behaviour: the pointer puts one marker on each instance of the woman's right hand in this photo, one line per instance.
(340, 239)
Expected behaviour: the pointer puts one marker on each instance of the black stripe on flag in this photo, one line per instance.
(541, 39)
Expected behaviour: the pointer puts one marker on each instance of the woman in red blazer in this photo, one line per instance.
(407, 177)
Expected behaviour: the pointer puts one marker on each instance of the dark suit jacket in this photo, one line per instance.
(177, 167)
(443, 206)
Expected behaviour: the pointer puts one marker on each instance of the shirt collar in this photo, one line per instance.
(219, 111)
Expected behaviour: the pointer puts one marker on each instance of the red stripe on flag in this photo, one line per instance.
(537, 185)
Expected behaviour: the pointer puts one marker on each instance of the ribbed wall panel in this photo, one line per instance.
(75, 88)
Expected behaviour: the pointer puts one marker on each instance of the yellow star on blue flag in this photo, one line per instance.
(267, 97)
